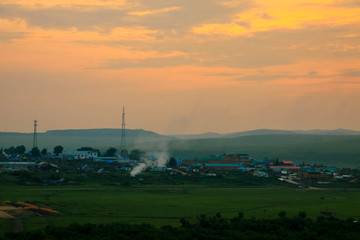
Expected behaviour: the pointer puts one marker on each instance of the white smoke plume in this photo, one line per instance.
(136, 170)
(156, 159)
(161, 158)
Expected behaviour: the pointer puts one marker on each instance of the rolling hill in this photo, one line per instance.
(75, 138)
(329, 147)
(268, 132)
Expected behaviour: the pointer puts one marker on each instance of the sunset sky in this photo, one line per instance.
(180, 66)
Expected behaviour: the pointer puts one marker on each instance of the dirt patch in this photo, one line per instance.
(5, 215)
(315, 188)
(12, 209)
(4, 211)
(7, 208)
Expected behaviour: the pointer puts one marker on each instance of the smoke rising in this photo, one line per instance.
(138, 169)
(158, 158)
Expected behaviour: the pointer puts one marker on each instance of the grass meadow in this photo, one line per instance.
(162, 205)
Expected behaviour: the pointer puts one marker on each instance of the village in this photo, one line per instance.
(83, 162)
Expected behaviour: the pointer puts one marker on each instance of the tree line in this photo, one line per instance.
(35, 152)
(209, 228)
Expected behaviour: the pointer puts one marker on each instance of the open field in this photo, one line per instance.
(160, 198)
(160, 205)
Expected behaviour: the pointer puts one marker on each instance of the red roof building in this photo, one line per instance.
(286, 167)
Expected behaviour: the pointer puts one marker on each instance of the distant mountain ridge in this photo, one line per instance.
(339, 131)
(96, 132)
(116, 132)
(74, 138)
(269, 132)
(102, 132)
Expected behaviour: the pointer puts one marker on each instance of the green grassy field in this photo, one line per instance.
(160, 205)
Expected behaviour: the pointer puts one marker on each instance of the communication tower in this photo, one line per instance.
(35, 134)
(123, 142)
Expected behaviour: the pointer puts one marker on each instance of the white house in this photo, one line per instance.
(78, 154)
(17, 165)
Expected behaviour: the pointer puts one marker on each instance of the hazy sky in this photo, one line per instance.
(180, 66)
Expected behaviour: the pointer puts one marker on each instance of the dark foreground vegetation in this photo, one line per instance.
(215, 227)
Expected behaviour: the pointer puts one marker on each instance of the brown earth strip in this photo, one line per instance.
(3, 211)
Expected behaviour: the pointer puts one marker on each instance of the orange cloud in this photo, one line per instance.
(36, 4)
(149, 12)
(97, 34)
(72, 50)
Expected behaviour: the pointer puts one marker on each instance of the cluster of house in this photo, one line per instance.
(289, 168)
(20, 163)
(241, 163)
(293, 172)
(220, 163)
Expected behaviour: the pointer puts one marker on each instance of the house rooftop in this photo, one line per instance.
(287, 162)
(285, 167)
(310, 170)
(223, 165)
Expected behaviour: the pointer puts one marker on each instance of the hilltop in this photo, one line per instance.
(74, 138)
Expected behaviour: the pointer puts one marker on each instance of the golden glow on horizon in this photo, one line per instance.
(279, 14)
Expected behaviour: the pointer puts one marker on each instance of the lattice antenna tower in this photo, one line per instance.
(35, 134)
(123, 141)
